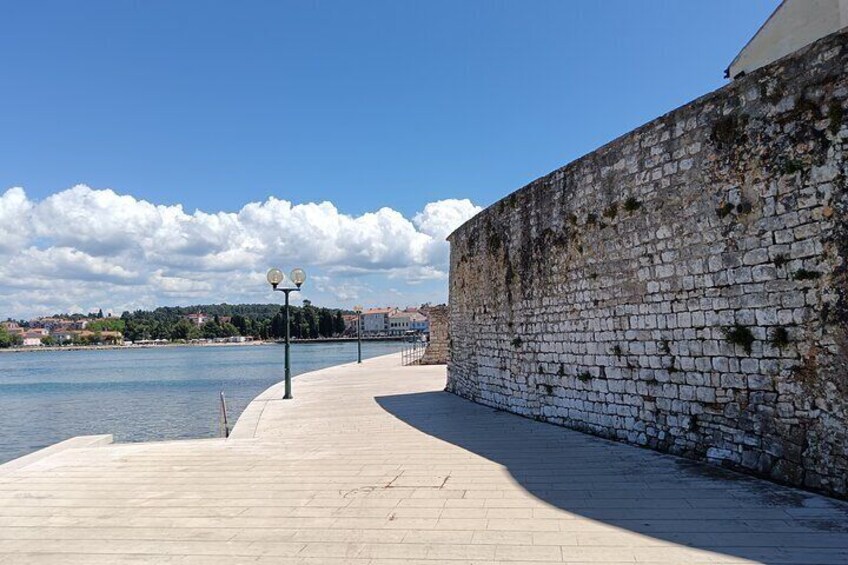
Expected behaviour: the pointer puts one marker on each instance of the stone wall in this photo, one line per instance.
(438, 346)
(682, 288)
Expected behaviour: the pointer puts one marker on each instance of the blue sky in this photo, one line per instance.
(212, 105)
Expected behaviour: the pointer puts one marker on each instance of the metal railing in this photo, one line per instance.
(225, 423)
(412, 351)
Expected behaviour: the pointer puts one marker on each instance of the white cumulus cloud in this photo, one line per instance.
(111, 250)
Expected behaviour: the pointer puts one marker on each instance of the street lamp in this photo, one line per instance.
(358, 310)
(298, 277)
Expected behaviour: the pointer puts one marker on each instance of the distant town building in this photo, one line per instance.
(376, 321)
(30, 340)
(350, 324)
(197, 318)
(398, 322)
(793, 25)
(111, 337)
(419, 323)
(12, 327)
(389, 321)
(63, 336)
(97, 337)
(33, 337)
(56, 324)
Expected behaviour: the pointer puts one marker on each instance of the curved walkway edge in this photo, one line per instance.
(246, 425)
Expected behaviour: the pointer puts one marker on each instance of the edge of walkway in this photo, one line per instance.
(76, 442)
(244, 428)
(248, 422)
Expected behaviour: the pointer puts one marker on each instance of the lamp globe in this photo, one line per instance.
(275, 276)
(298, 276)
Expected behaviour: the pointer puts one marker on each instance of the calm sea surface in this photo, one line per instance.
(144, 394)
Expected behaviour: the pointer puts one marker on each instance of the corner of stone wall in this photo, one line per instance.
(438, 347)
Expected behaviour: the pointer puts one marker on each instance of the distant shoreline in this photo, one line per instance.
(110, 347)
(44, 348)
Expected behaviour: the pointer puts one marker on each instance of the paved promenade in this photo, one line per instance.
(374, 464)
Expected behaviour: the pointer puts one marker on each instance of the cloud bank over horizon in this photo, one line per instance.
(82, 249)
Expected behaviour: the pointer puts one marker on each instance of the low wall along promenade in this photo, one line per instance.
(682, 288)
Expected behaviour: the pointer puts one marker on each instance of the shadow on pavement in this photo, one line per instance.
(658, 495)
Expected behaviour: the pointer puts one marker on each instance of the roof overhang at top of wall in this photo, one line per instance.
(793, 25)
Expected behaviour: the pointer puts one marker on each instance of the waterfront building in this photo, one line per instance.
(33, 337)
(350, 323)
(375, 321)
(398, 322)
(419, 323)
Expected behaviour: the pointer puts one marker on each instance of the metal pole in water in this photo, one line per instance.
(224, 415)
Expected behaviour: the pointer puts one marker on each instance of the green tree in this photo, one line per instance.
(310, 320)
(107, 325)
(163, 330)
(263, 330)
(211, 329)
(325, 322)
(299, 329)
(7, 339)
(184, 329)
(277, 329)
(241, 324)
(338, 323)
(136, 330)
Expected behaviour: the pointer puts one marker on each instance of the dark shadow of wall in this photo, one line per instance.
(642, 491)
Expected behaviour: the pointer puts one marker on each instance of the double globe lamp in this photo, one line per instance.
(275, 279)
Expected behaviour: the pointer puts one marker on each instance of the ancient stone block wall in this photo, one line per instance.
(682, 288)
(438, 346)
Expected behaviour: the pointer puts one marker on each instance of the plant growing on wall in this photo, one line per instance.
(780, 260)
(632, 204)
(805, 275)
(792, 166)
(611, 211)
(724, 209)
(741, 336)
(834, 115)
(779, 337)
(744, 207)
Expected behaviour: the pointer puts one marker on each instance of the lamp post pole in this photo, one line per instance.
(358, 334)
(288, 394)
(298, 277)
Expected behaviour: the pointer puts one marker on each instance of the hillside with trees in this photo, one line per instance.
(262, 321)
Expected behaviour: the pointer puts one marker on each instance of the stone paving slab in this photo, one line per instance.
(374, 464)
